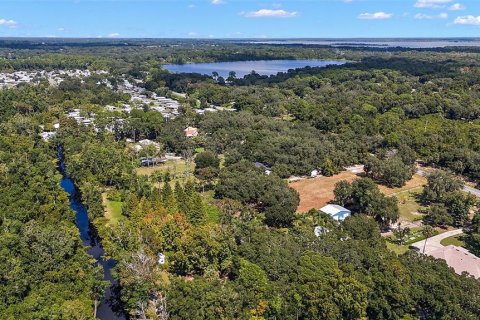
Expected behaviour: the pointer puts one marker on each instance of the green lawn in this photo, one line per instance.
(454, 241)
(398, 249)
(408, 206)
(177, 169)
(213, 212)
(113, 210)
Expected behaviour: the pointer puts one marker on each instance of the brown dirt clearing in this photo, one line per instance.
(317, 192)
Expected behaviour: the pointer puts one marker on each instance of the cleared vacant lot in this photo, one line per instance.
(415, 182)
(176, 168)
(317, 192)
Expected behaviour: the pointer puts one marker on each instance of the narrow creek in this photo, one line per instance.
(106, 310)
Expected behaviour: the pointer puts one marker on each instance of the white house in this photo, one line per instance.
(110, 108)
(337, 212)
(161, 258)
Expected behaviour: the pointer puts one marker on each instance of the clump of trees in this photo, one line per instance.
(363, 196)
(267, 193)
(394, 170)
(207, 166)
(449, 205)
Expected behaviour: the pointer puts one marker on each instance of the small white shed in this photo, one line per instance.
(337, 212)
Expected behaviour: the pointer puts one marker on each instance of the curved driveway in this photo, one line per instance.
(433, 243)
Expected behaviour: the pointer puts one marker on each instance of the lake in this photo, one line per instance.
(242, 68)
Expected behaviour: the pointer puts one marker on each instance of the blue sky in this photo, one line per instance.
(240, 18)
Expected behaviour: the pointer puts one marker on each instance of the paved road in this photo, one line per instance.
(471, 190)
(433, 243)
(468, 189)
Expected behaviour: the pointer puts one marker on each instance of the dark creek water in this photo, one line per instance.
(106, 310)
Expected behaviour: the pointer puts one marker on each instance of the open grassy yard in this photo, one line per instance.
(408, 206)
(177, 169)
(454, 241)
(414, 183)
(213, 212)
(113, 210)
(398, 249)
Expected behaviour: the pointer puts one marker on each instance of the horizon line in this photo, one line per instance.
(246, 38)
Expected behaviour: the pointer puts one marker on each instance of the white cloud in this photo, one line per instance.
(468, 20)
(457, 7)
(8, 23)
(375, 16)
(61, 29)
(192, 34)
(422, 16)
(432, 4)
(191, 6)
(269, 13)
(114, 35)
(217, 1)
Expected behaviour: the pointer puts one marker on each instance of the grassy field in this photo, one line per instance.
(454, 241)
(113, 210)
(177, 169)
(213, 212)
(414, 236)
(408, 206)
(412, 184)
(398, 249)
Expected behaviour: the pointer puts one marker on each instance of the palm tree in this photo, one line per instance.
(427, 232)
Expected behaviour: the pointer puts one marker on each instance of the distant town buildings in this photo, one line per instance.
(12, 79)
(75, 114)
(169, 108)
(48, 134)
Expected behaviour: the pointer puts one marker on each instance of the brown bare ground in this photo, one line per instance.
(415, 182)
(317, 192)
